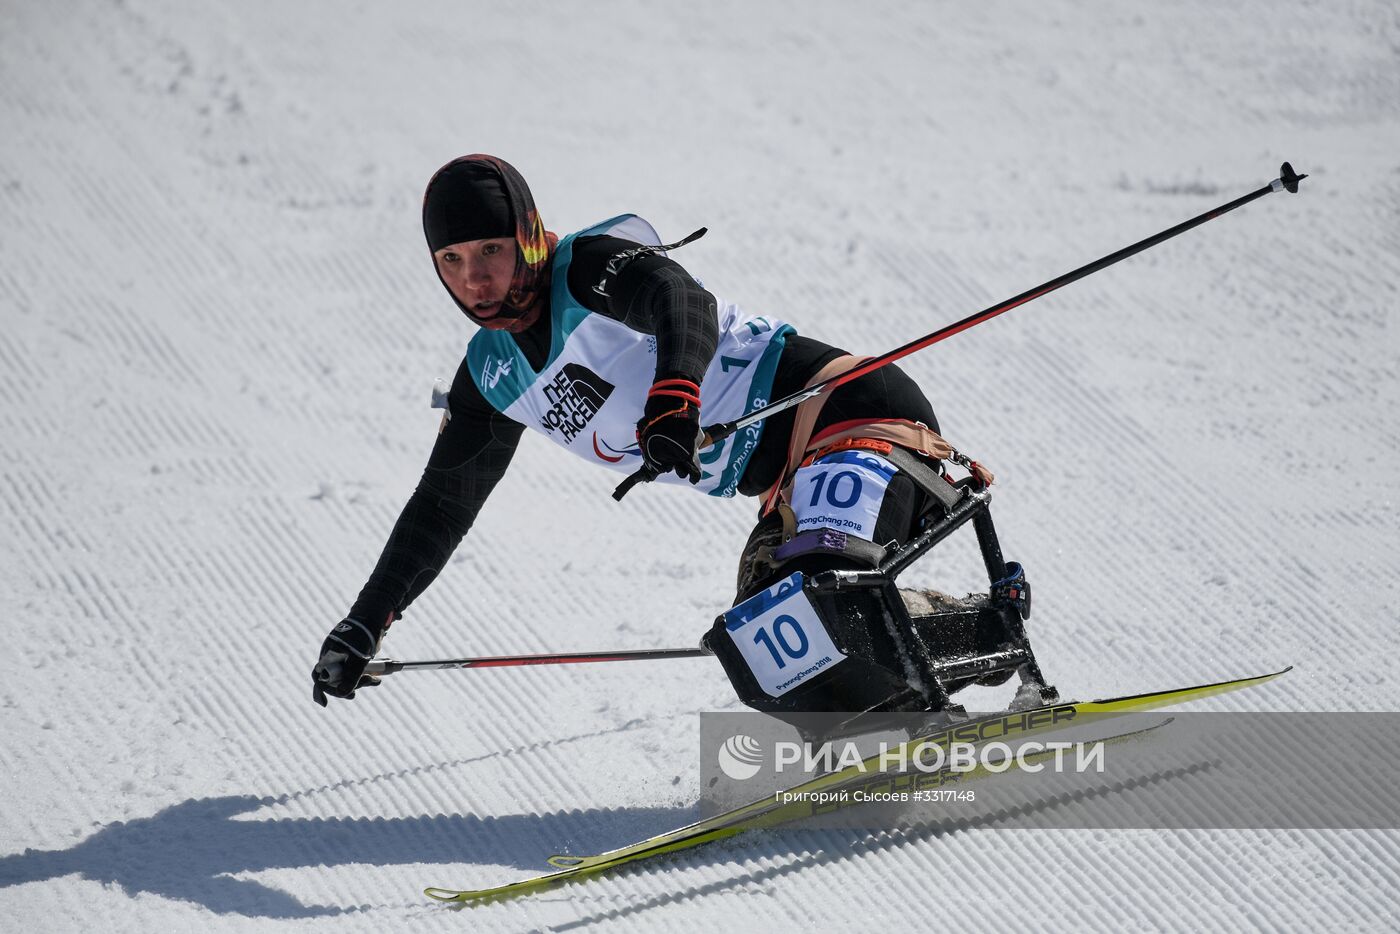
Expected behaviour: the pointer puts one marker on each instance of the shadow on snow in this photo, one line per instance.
(190, 851)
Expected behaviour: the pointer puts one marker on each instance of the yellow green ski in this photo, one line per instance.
(770, 811)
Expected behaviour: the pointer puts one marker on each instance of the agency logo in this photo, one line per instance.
(740, 757)
(493, 371)
(574, 395)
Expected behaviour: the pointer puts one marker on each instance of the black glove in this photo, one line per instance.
(344, 655)
(669, 432)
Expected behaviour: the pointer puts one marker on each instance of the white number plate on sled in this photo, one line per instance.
(842, 491)
(781, 638)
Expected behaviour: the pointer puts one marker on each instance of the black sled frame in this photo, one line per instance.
(905, 662)
(981, 640)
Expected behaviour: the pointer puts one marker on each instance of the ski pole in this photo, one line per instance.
(1287, 180)
(388, 666)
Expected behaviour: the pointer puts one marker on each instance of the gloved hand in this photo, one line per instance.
(344, 655)
(669, 432)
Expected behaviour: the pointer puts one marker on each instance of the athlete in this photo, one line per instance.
(608, 347)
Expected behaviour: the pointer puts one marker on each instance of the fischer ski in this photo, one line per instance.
(769, 811)
(979, 771)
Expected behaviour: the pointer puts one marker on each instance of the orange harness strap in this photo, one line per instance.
(871, 434)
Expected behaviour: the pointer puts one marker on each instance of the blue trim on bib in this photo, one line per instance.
(870, 460)
(565, 313)
(739, 616)
(498, 368)
(745, 442)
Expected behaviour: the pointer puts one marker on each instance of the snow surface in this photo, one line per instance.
(219, 330)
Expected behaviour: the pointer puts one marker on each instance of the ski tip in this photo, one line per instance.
(474, 897)
(565, 862)
(1260, 679)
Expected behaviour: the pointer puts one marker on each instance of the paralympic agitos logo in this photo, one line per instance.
(575, 395)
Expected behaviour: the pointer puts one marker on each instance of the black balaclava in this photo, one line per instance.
(480, 197)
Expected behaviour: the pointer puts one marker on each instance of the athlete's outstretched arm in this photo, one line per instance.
(471, 455)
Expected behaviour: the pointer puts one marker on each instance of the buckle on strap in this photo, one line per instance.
(829, 541)
(924, 476)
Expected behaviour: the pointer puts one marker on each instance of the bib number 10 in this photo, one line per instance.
(842, 492)
(781, 638)
(792, 642)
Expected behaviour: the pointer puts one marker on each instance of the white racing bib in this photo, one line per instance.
(592, 388)
(842, 491)
(781, 637)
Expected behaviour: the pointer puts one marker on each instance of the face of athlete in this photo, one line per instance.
(478, 273)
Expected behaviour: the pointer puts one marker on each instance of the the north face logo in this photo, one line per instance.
(575, 396)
